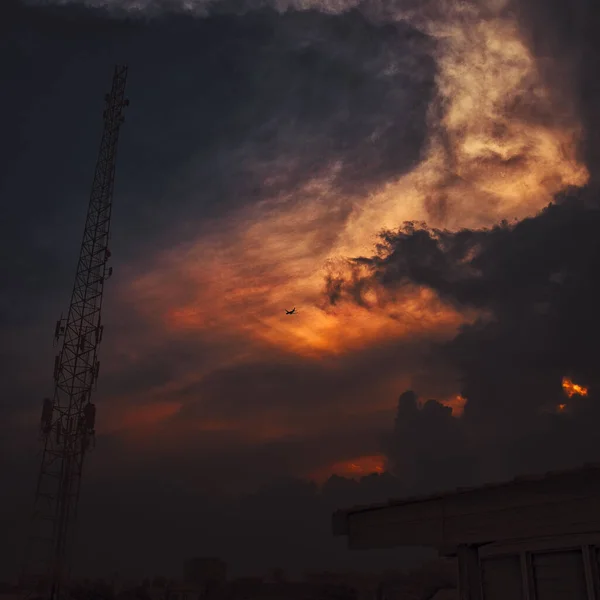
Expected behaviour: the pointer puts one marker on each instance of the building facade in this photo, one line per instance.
(533, 538)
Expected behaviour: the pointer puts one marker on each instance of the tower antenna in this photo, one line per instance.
(68, 418)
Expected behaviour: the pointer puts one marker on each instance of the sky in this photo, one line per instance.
(418, 179)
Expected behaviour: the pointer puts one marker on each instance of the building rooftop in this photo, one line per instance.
(470, 513)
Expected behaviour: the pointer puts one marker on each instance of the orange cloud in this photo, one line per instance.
(457, 403)
(352, 468)
(573, 389)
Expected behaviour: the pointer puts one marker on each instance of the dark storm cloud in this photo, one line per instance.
(240, 96)
(536, 283)
(428, 446)
(508, 268)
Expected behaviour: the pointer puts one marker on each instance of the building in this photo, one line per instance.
(533, 538)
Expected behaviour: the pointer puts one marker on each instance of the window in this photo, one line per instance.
(501, 578)
(559, 575)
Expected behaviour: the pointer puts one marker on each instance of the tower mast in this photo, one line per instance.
(67, 424)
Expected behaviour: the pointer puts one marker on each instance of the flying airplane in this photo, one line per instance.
(291, 312)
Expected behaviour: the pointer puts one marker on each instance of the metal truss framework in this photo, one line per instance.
(67, 426)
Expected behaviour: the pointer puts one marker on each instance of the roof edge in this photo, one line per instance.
(340, 516)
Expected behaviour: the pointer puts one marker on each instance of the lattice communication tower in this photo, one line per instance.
(67, 423)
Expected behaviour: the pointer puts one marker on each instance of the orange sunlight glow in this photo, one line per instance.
(456, 403)
(354, 468)
(571, 389)
(314, 330)
(561, 408)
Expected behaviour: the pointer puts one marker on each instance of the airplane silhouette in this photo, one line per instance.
(290, 312)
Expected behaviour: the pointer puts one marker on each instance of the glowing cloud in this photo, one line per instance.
(353, 468)
(572, 389)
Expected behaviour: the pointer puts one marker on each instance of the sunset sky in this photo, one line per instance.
(417, 178)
